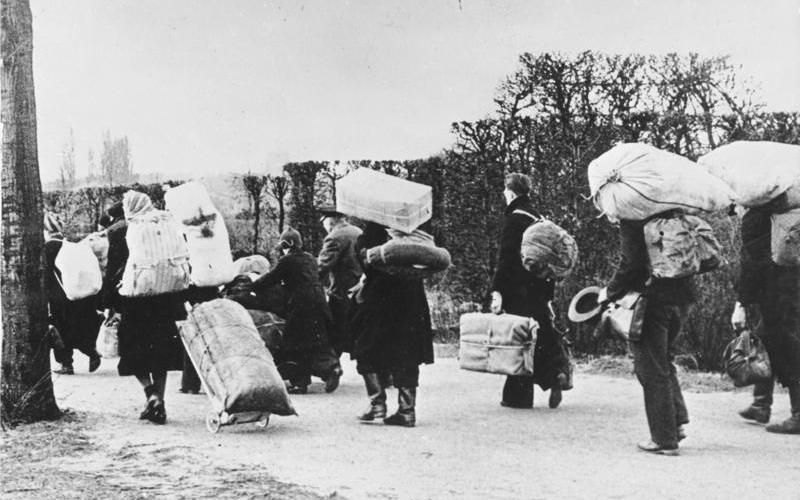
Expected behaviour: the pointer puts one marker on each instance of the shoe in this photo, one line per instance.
(555, 397)
(756, 414)
(297, 389)
(377, 398)
(149, 393)
(506, 404)
(792, 424)
(405, 416)
(159, 414)
(189, 391)
(652, 447)
(94, 363)
(681, 433)
(333, 381)
(65, 370)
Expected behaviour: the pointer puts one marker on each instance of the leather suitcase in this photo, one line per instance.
(493, 343)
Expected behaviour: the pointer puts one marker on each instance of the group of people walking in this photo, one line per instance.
(337, 303)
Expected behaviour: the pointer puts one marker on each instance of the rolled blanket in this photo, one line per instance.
(415, 250)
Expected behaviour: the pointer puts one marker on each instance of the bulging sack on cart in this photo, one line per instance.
(681, 245)
(786, 238)
(757, 171)
(385, 199)
(548, 250)
(80, 274)
(636, 181)
(414, 251)
(158, 258)
(236, 367)
(493, 343)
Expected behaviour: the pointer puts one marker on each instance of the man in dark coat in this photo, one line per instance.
(305, 349)
(340, 270)
(771, 293)
(519, 292)
(76, 321)
(668, 302)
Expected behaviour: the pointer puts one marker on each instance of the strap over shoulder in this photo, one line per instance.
(536, 218)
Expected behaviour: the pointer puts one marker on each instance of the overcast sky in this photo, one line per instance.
(216, 86)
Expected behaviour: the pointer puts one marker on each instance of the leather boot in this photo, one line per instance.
(792, 424)
(760, 409)
(377, 398)
(405, 416)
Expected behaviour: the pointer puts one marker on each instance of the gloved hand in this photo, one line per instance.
(739, 317)
(497, 303)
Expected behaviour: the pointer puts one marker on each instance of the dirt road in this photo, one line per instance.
(465, 445)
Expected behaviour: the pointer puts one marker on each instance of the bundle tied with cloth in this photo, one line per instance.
(548, 251)
(402, 206)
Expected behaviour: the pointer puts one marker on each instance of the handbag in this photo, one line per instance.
(107, 338)
(624, 317)
(746, 360)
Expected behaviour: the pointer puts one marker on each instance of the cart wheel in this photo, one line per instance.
(263, 421)
(213, 422)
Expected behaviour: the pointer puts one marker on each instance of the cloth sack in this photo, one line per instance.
(270, 327)
(189, 203)
(209, 252)
(416, 252)
(231, 359)
(786, 238)
(80, 272)
(385, 199)
(681, 245)
(636, 181)
(257, 264)
(544, 244)
(746, 360)
(624, 317)
(158, 258)
(107, 339)
(497, 343)
(98, 242)
(757, 171)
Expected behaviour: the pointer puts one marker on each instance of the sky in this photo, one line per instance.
(216, 86)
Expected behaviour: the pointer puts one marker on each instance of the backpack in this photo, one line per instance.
(545, 243)
(158, 258)
(681, 245)
(80, 272)
(786, 238)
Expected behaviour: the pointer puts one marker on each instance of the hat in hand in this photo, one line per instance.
(584, 305)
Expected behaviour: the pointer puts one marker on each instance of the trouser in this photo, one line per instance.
(762, 394)
(652, 362)
(548, 362)
(298, 366)
(338, 334)
(84, 341)
(405, 376)
(781, 337)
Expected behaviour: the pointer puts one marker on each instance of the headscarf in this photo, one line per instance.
(257, 264)
(52, 223)
(136, 203)
(291, 240)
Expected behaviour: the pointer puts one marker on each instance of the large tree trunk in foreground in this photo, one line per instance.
(26, 389)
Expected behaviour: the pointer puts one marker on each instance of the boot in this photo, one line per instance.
(149, 392)
(792, 424)
(377, 398)
(759, 411)
(405, 416)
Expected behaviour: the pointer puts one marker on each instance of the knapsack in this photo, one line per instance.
(158, 258)
(80, 272)
(547, 244)
(681, 245)
(786, 238)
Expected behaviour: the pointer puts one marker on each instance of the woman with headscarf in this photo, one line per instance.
(305, 349)
(391, 327)
(76, 321)
(148, 337)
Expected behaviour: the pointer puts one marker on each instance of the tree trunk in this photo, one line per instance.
(256, 223)
(26, 390)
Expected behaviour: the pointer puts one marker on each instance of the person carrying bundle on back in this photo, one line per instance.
(76, 321)
(517, 291)
(305, 349)
(770, 292)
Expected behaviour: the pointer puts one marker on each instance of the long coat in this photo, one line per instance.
(77, 321)
(391, 326)
(307, 314)
(148, 336)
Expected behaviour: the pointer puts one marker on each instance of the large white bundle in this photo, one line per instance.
(80, 271)
(189, 202)
(210, 252)
(98, 242)
(635, 181)
(158, 259)
(231, 359)
(757, 171)
(385, 199)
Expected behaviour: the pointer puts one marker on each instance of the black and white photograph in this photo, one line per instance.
(400, 249)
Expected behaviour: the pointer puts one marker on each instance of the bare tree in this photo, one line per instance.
(279, 188)
(66, 171)
(116, 163)
(91, 167)
(26, 390)
(254, 187)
